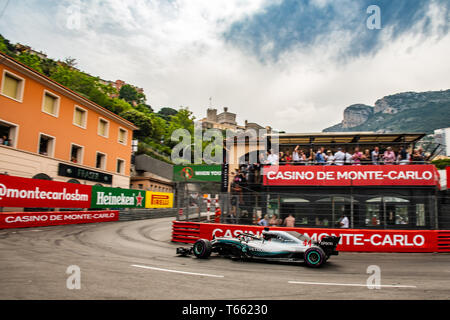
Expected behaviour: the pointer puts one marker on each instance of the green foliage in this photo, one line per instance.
(166, 112)
(6, 47)
(131, 95)
(441, 164)
(31, 60)
(143, 121)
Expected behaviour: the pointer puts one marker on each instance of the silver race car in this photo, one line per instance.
(273, 245)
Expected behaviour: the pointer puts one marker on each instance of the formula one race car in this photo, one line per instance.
(273, 245)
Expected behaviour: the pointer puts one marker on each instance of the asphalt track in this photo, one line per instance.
(136, 260)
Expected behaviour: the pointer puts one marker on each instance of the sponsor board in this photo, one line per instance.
(197, 173)
(370, 175)
(159, 200)
(65, 170)
(357, 240)
(34, 193)
(103, 197)
(42, 219)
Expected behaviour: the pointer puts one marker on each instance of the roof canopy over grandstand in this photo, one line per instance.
(347, 138)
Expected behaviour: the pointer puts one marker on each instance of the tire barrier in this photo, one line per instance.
(443, 241)
(352, 240)
(185, 232)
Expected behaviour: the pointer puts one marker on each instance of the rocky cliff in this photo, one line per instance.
(406, 112)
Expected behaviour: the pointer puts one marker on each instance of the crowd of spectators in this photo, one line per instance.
(346, 157)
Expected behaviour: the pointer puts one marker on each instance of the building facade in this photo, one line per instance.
(48, 131)
(152, 175)
(227, 121)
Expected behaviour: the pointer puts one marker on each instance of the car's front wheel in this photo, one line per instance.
(315, 257)
(202, 248)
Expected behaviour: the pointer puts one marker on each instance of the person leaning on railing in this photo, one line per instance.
(389, 156)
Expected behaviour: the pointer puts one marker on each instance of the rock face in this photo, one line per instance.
(356, 115)
(406, 112)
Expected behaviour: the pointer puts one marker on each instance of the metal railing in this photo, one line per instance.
(369, 210)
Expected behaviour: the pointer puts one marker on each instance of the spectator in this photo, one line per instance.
(262, 158)
(6, 141)
(422, 154)
(357, 157)
(272, 158)
(366, 157)
(288, 158)
(274, 221)
(417, 158)
(339, 157)
(344, 222)
(289, 221)
(296, 156)
(375, 155)
(320, 158)
(348, 158)
(302, 157)
(389, 156)
(310, 157)
(2, 139)
(330, 158)
(282, 158)
(264, 221)
(403, 156)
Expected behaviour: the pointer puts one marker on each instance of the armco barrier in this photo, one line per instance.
(42, 219)
(352, 240)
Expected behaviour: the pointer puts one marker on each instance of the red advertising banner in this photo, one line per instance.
(34, 193)
(43, 219)
(447, 172)
(356, 240)
(357, 175)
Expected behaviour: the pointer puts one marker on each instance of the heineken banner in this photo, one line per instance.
(158, 200)
(197, 173)
(103, 197)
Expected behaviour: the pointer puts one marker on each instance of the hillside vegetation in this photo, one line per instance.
(155, 128)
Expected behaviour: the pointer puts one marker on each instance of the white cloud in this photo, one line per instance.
(175, 51)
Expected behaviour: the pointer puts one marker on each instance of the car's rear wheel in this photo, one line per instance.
(314, 257)
(202, 248)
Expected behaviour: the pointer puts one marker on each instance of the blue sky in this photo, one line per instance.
(291, 25)
(294, 65)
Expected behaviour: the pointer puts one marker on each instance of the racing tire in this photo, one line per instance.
(202, 248)
(315, 257)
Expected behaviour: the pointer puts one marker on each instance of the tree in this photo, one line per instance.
(31, 61)
(6, 47)
(70, 62)
(141, 120)
(128, 93)
(165, 113)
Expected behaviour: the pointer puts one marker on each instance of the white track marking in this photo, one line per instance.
(176, 271)
(350, 284)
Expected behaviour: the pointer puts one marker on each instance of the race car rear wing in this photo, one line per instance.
(329, 244)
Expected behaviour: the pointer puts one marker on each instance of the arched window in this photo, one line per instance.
(41, 176)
